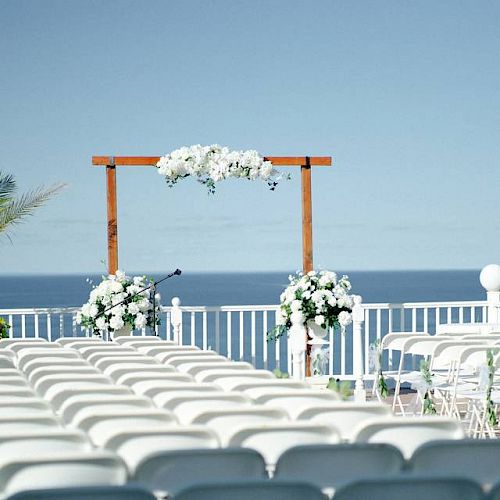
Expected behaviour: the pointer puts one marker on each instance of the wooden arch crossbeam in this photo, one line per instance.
(304, 162)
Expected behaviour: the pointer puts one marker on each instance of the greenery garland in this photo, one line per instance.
(491, 414)
(429, 406)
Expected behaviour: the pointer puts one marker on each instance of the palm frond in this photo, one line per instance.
(7, 187)
(15, 210)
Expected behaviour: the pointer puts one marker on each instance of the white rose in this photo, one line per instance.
(296, 305)
(116, 287)
(140, 321)
(319, 320)
(93, 310)
(345, 318)
(306, 295)
(101, 323)
(86, 309)
(120, 275)
(116, 322)
(143, 304)
(133, 308)
(78, 318)
(157, 297)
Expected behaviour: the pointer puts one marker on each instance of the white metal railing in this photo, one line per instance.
(239, 332)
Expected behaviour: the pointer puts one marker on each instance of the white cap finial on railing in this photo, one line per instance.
(490, 278)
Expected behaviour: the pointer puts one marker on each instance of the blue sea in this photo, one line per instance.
(213, 289)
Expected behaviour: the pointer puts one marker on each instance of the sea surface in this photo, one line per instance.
(213, 289)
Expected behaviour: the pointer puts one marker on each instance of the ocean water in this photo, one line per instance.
(213, 289)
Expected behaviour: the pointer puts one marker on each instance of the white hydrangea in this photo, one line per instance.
(211, 164)
(119, 300)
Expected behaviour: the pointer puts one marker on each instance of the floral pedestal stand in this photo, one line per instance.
(319, 352)
(124, 331)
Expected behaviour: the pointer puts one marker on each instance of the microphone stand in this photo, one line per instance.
(153, 285)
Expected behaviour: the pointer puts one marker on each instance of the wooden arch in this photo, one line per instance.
(304, 162)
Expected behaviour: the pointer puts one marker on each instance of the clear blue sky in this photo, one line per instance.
(403, 94)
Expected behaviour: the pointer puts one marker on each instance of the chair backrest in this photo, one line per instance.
(108, 361)
(105, 347)
(176, 355)
(18, 347)
(24, 357)
(77, 404)
(152, 388)
(6, 361)
(23, 422)
(146, 374)
(395, 340)
(139, 443)
(36, 375)
(115, 371)
(330, 466)
(272, 440)
(459, 328)
(110, 406)
(125, 492)
(261, 490)
(346, 416)
(42, 441)
(225, 421)
(160, 351)
(213, 374)
(243, 383)
(56, 470)
(188, 406)
(475, 459)
(408, 434)
(7, 342)
(52, 362)
(197, 357)
(406, 487)
(128, 339)
(47, 381)
(77, 341)
(59, 393)
(172, 471)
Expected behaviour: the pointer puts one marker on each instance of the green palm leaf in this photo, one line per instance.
(15, 210)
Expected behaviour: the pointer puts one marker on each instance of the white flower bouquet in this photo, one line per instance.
(120, 301)
(211, 164)
(318, 297)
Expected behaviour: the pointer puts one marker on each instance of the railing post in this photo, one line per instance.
(297, 347)
(176, 319)
(358, 318)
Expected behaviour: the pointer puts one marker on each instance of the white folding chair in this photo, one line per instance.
(42, 440)
(176, 355)
(229, 383)
(408, 434)
(180, 361)
(272, 440)
(108, 361)
(18, 347)
(200, 369)
(79, 407)
(213, 374)
(225, 421)
(187, 406)
(26, 406)
(22, 422)
(4, 343)
(105, 348)
(43, 384)
(166, 350)
(152, 388)
(61, 371)
(294, 401)
(73, 342)
(149, 374)
(57, 470)
(117, 370)
(52, 362)
(346, 416)
(98, 424)
(139, 339)
(27, 355)
(138, 443)
(59, 393)
(6, 361)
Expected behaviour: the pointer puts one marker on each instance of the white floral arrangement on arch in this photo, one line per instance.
(211, 164)
(120, 301)
(318, 297)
